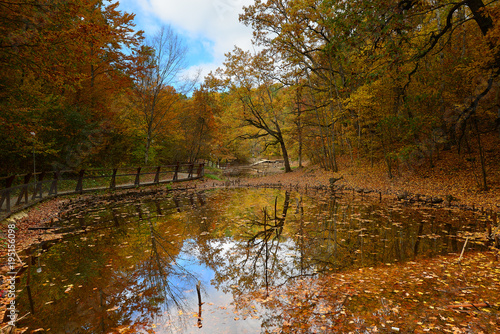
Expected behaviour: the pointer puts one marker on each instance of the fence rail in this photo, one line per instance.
(21, 191)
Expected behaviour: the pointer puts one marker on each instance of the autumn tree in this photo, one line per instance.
(376, 72)
(60, 62)
(199, 125)
(316, 54)
(250, 79)
(164, 58)
(227, 145)
(426, 38)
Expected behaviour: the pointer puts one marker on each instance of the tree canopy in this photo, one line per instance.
(327, 81)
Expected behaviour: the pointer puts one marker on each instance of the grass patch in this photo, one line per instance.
(212, 177)
(213, 173)
(291, 167)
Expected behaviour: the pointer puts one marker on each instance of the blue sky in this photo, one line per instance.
(210, 28)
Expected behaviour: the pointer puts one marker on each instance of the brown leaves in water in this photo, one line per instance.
(43, 214)
(414, 297)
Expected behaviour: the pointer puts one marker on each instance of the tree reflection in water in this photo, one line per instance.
(264, 245)
(116, 277)
(164, 277)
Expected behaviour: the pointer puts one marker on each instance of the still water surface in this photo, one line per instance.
(137, 266)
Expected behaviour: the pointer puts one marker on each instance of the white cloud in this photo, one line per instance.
(212, 25)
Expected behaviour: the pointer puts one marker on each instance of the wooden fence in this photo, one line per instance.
(21, 191)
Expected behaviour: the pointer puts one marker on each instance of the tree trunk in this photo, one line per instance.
(285, 156)
(480, 15)
(371, 151)
(498, 122)
(359, 138)
(300, 149)
(349, 145)
(481, 156)
(195, 157)
(299, 125)
(389, 166)
(334, 158)
(146, 153)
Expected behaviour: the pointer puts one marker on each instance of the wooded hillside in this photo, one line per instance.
(393, 81)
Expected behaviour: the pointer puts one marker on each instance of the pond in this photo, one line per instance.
(200, 262)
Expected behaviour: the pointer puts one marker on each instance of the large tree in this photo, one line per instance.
(250, 79)
(164, 60)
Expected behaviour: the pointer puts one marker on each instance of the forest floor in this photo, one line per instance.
(477, 275)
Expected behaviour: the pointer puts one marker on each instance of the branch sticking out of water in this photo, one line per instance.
(198, 288)
(463, 249)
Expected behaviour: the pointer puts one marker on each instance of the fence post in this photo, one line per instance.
(176, 172)
(6, 192)
(53, 186)
(157, 176)
(79, 185)
(38, 186)
(9, 181)
(190, 171)
(24, 191)
(137, 179)
(6, 198)
(113, 179)
(200, 169)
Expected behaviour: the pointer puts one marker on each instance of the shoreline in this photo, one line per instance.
(425, 191)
